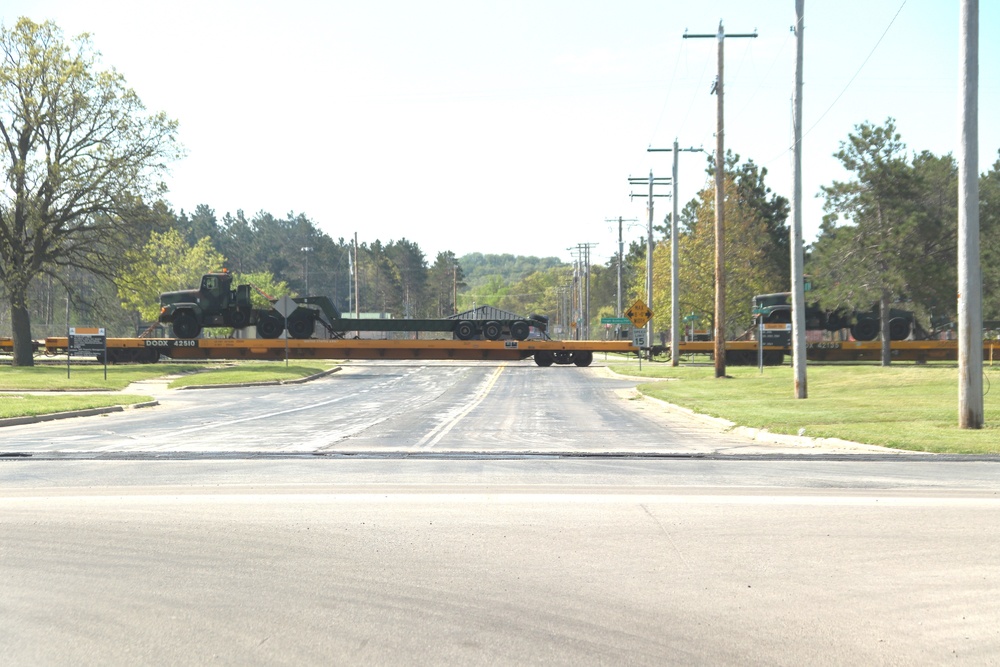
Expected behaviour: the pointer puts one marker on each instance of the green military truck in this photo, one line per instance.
(216, 303)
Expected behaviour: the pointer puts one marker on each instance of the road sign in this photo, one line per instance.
(87, 341)
(285, 305)
(639, 337)
(639, 313)
(615, 320)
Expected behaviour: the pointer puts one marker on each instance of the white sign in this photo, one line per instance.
(285, 305)
(639, 337)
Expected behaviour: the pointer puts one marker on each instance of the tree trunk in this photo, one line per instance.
(884, 316)
(20, 320)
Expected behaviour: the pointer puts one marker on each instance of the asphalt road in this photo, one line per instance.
(413, 408)
(481, 514)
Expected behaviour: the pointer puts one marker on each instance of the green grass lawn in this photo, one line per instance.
(91, 380)
(905, 406)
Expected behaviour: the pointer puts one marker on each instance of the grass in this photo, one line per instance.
(30, 405)
(90, 379)
(904, 406)
(262, 371)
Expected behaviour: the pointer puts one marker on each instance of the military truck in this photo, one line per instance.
(216, 303)
(863, 325)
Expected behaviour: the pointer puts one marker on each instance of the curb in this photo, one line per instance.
(69, 414)
(268, 383)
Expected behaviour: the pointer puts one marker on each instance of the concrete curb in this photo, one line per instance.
(269, 383)
(69, 414)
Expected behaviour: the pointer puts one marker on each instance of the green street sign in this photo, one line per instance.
(615, 320)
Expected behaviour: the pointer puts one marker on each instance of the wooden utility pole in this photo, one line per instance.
(798, 259)
(970, 297)
(720, 199)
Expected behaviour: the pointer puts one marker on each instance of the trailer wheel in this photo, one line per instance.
(465, 330)
(301, 327)
(519, 330)
(865, 329)
(492, 330)
(899, 328)
(584, 358)
(186, 325)
(544, 358)
(269, 327)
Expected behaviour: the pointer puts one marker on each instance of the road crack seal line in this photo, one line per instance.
(445, 427)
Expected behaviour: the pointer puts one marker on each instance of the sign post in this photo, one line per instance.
(286, 306)
(87, 342)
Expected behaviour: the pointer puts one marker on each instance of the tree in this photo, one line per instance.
(865, 266)
(80, 156)
(757, 256)
(165, 264)
(989, 232)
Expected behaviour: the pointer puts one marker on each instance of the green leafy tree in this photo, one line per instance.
(756, 259)
(80, 155)
(865, 265)
(989, 228)
(165, 264)
(444, 278)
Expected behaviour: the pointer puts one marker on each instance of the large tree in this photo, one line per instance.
(867, 260)
(80, 157)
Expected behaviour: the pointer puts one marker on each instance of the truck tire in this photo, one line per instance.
(519, 330)
(269, 327)
(301, 327)
(186, 325)
(465, 330)
(492, 330)
(583, 358)
(865, 329)
(239, 319)
(899, 328)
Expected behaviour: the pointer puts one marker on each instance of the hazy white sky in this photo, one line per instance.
(513, 126)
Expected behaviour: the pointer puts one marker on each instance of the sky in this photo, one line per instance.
(514, 126)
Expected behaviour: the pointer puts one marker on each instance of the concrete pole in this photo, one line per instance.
(798, 277)
(720, 198)
(675, 306)
(649, 267)
(970, 297)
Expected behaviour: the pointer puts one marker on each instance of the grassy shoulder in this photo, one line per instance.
(252, 372)
(904, 406)
(99, 392)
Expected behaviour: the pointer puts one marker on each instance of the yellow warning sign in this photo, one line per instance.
(639, 313)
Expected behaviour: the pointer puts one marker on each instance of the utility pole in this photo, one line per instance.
(357, 301)
(970, 297)
(720, 199)
(649, 247)
(798, 259)
(621, 259)
(675, 299)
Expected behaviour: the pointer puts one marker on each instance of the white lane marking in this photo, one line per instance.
(442, 429)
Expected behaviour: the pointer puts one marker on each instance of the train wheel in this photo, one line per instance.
(544, 358)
